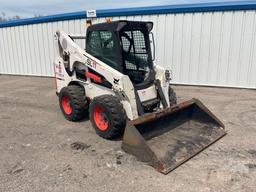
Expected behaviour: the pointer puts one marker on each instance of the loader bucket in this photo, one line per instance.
(168, 138)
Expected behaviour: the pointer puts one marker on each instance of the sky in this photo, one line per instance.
(30, 8)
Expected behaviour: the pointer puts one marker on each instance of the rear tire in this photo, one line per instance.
(107, 116)
(172, 96)
(73, 102)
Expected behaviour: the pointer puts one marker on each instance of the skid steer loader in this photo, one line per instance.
(128, 96)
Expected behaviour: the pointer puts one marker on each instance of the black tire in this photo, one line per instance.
(172, 96)
(76, 100)
(113, 114)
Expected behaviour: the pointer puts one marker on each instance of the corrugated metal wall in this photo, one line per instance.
(211, 48)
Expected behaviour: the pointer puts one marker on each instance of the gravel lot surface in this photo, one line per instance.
(35, 151)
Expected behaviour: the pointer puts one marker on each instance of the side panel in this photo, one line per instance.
(61, 76)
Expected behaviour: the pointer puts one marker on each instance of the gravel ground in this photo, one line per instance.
(36, 154)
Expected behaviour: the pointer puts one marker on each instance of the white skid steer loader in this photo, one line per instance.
(128, 96)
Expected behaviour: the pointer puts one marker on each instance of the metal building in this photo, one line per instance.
(211, 44)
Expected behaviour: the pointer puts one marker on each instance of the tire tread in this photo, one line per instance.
(117, 112)
(172, 96)
(80, 103)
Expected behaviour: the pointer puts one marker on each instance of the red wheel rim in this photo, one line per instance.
(65, 102)
(100, 118)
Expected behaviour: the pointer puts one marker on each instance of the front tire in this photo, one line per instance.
(107, 116)
(172, 96)
(73, 102)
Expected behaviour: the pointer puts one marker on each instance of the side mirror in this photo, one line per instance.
(152, 44)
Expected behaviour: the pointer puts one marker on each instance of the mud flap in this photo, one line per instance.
(168, 138)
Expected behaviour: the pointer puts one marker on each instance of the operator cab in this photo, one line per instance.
(124, 46)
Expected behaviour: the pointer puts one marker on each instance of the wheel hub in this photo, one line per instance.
(100, 118)
(65, 102)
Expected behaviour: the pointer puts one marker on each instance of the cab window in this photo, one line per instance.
(100, 44)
